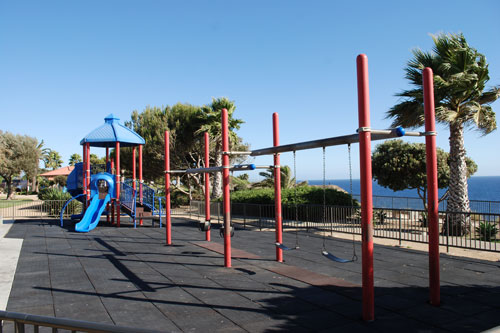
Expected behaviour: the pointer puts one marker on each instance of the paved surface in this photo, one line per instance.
(10, 248)
(129, 277)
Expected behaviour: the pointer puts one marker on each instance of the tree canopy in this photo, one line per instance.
(400, 165)
(186, 124)
(18, 153)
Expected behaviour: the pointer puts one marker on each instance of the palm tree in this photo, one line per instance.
(287, 179)
(212, 124)
(460, 76)
(75, 158)
(53, 160)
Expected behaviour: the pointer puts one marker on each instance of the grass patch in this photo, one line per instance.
(4, 203)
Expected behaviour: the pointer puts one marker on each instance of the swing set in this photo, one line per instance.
(364, 136)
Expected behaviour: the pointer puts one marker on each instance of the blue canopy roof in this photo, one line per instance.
(110, 133)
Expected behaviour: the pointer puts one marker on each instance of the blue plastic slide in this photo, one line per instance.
(92, 214)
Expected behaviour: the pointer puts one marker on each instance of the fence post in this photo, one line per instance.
(400, 230)
(244, 216)
(260, 217)
(447, 233)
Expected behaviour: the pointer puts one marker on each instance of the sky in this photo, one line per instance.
(66, 65)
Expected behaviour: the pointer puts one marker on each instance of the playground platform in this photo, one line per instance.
(128, 277)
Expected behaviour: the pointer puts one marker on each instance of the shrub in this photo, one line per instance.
(304, 195)
(52, 193)
(487, 231)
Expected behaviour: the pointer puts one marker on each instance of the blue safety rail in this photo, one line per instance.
(149, 198)
(128, 197)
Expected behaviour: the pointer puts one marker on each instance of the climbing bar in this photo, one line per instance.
(236, 153)
(337, 140)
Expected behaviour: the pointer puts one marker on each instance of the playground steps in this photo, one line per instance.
(141, 212)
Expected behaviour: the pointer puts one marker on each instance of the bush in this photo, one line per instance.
(52, 193)
(177, 198)
(487, 231)
(305, 195)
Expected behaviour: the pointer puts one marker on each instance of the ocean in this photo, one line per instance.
(480, 188)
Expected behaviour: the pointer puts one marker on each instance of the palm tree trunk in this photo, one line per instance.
(217, 185)
(458, 199)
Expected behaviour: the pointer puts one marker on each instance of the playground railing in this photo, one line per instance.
(480, 231)
(23, 321)
(128, 197)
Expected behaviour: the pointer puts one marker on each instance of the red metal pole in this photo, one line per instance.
(207, 185)
(140, 180)
(366, 187)
(225, 190)
(277, 189)
(84, 172)
(168, 226)
(432, 187)
(88, 173)
(112, 201)
(117, 157)
(107, 205)
(134, 185)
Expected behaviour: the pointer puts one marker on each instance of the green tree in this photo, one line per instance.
(18, 153)
(186, 124)
(460, 77)
(240, 182)
(94, 159)
(53, 160)
(287, 179)
(212, 114)
(75, 158)
(400, 165)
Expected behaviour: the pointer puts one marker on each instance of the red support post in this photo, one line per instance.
(207, 185)
(366, 187)
(225, 189)
(88, 173)
(84, 172)
(112, 200)
(117, 176)
(432, 186)
(140, 180)
(168, 226)
(277, 189)
(134, 185)
(107, 205)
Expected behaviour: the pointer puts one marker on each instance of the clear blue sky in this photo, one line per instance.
(65, 65)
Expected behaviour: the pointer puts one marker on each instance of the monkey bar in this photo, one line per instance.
(337, 140)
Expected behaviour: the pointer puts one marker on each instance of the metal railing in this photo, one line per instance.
(21, 320)
(480, 231)
(128, 197)
(381, 201)
(40, 208)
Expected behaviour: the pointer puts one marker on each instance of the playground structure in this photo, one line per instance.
(364, 137)
(100, 187)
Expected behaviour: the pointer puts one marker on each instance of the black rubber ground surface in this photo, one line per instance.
(128, 277)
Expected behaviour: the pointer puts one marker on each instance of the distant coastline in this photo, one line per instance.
(480, 188)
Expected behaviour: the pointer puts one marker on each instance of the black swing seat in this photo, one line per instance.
(286, 248)
(334, 258)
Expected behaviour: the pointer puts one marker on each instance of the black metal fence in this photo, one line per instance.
(380, 201)
(465, 230)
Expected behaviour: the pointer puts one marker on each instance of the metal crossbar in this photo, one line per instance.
(336, 141)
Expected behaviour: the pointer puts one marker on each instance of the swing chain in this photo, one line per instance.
(354, 255)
